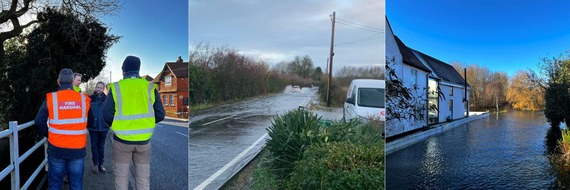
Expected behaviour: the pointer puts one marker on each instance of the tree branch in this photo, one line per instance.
(16, 31)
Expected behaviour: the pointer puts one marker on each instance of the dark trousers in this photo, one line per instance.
(98, 146)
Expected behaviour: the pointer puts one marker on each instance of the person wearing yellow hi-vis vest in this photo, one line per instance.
(132, 109)
(76, 81)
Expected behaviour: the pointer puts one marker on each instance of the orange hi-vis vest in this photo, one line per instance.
(67, 118)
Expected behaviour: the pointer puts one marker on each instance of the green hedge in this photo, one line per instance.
(339, 165)
(294, 132)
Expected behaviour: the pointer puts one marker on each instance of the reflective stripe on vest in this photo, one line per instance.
(135, 126)
(134, 132)
(120, 115)
(58, 121)
(67, 132)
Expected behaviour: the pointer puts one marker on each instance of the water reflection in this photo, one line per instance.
(509, 152)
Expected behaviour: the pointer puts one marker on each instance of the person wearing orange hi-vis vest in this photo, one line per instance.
(132, 109)
(66, 113)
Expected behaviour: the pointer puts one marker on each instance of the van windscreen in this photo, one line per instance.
(371, 97)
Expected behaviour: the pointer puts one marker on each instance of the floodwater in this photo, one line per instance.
(218, 135)
(509, 151)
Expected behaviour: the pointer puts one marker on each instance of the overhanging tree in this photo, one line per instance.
(62, 40)
(18, 15)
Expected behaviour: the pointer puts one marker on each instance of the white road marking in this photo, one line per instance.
(182, 134)
(229, 164)
(216, 120)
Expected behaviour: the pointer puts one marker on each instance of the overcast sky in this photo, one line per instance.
(280, 30)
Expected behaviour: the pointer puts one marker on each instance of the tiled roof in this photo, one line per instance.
(409, 57)
(148, 78)
(445, 71)
(179, 69)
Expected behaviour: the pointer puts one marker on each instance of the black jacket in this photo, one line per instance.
(95, 120)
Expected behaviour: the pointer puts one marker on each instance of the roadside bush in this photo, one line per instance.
(556, 107)
(339, 165)
(290, 135)
(564, 146)
(337, 91)
(296, 130)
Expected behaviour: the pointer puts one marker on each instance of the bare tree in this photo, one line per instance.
(89, 86)
(18, 15)
(495, 92)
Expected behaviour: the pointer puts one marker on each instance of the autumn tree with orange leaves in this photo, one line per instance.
(524, 94)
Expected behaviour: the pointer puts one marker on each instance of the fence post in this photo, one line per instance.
(45, 154)
(15, 155)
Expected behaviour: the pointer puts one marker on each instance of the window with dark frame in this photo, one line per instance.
(451, 91)
(451, 107)
(168, 80)
(165, 101)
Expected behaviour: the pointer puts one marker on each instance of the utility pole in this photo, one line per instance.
(331, 61)
(327, 72)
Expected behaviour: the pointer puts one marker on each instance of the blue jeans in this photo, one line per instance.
(57, 169)
(98, 146)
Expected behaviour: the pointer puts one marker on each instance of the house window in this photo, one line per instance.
(451, 91)
(433, 102)
(165, 101)
(451, 108)
(172, 100)
(168, 80)
(414, 78)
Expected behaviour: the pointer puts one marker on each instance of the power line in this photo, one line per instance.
(359, 27)
(375, 36)
(354, 23)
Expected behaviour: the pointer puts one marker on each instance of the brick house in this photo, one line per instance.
(172, 84)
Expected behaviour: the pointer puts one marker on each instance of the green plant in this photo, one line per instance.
(290, 135)
(340, 165)
(263, 176)
(296, 130)
(564, 146)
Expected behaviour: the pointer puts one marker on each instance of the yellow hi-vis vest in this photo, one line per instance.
(134, 114)
(77, 89)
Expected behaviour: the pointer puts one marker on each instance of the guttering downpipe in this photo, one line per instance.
(465, 97)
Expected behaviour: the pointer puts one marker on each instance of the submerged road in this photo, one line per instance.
(223, 139)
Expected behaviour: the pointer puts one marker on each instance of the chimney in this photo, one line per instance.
(179, 60)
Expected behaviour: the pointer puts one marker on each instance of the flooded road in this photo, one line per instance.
(220, 137)
(508, 152)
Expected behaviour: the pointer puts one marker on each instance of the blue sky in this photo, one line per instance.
(155, 31)
(278, 31)
(507, 35)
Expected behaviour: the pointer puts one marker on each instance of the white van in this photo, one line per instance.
(365, 99)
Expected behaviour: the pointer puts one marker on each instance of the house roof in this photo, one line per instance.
(148, 78)
(408, 57)
(445, 71)
(178, 69)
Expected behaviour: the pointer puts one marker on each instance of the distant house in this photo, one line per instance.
(425, 74)
(172, 84)
(148, 78)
